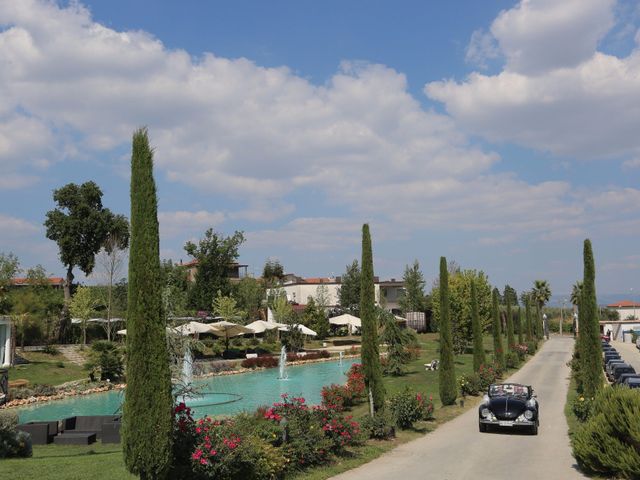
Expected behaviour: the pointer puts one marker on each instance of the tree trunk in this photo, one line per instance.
(65, 322)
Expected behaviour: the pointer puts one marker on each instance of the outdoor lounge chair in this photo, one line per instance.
(88, 424)
(41, 433)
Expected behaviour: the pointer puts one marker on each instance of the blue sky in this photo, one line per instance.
(499, 133)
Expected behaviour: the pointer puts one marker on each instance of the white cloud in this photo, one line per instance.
(482, 47)
(557, 93)
(13, 227)
(185, 222)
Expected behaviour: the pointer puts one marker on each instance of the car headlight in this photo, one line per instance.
(486, 413)
(528, 414)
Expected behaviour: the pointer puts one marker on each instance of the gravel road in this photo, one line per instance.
(456, 450)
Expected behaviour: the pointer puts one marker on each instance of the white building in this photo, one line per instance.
(628, 313)
(6, 354)
(299, 289)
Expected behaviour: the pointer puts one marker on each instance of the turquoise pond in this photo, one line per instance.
(242, 392)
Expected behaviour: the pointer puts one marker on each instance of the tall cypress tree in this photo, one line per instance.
(519, 324)
(511, 341)
(498, 350)
(527, 308)
(147, 412)
(591, 355)
(370, 354)
(478, 345)
(448, 387)
(539, 328)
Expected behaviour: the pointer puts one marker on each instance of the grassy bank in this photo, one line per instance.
(46, 369)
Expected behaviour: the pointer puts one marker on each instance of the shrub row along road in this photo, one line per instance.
(456, 450)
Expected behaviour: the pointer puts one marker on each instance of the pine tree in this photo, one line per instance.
(529, 329)
(511, 341)
(478, 345)
(519, 325)
(147, 413)
(370, 354)
(498, 350)
(448, 388)
(590, 356)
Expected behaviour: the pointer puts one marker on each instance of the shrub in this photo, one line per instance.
(266, 361)
(407, 407)
(582, 408)
(184, 441)
(379, 426)
(608, 442)
(13, 443)
(51, 350)
(532, 347)
(469, 384)
(511, 359)
(487, 375)
(355, 383)
(336, 397)
(342, 431)
(105, 361)
(521, 350)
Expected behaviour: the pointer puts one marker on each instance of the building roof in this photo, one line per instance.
(22, 281)
(319, 280)
(624, 304)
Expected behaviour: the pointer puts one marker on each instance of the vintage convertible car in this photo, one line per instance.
(509, 405)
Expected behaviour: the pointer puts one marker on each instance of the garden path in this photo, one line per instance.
(457, 451)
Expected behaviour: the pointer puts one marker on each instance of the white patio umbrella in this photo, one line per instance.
(228, 329)
(302, 328)
(261, 326)
(193, 328)
(348, 320)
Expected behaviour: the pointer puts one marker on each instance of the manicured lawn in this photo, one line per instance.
(46, 369)
(105, 462)
(67, 462)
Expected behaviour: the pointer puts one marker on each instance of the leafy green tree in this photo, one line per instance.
(448, 387)
(519, 326)
(414, 298)
(322, 298)
(511, 341)
(498, 350)
(398, 341)
(111, 259)
(147, 412)
(370, 354)
(175, 288)
(226, 306)
(272, 272)
(250, 293)
(80, 225)
(511, 294)
(315, 318)
(478, 344)
(82, 306)
(460, 304)
(591, 353)
(349, 290)
(9, 268)
(215, 255)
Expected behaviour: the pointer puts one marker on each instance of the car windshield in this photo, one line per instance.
(508, 389)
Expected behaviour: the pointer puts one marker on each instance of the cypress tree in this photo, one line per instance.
(147, 413)
(590, 356)
(527, 308)
(539, 328)
(498, 351)
(519, 323)
(511, 341)
(478, 346)
(370, 354)
(448, 387)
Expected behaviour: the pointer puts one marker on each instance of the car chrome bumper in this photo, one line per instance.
(508, 423)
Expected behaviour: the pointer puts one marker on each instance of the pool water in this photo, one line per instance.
(222, 395)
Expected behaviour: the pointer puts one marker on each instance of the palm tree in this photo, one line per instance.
(541, 292)
(576, 293)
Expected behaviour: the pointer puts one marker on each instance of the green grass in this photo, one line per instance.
(68, 462)
(46, 369)
(572, 420)
(105, 462)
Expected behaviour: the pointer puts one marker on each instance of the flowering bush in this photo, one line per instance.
(511, 359)
(522, 350)
(379, 426)
(184, 440)
(469, 384)
(407, 407)
(487, 375)
(582, 407)
(355, 382)
(342, 431)
(266, 361)
(292, 357)
(336, 397)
